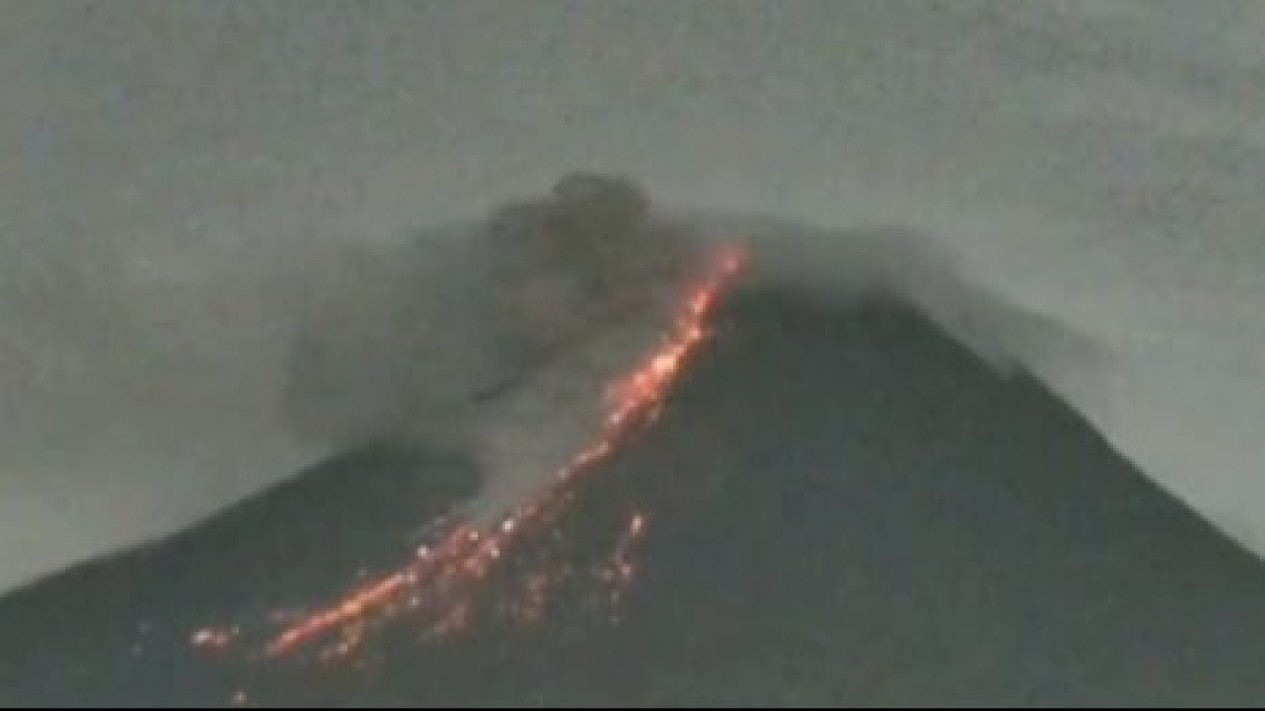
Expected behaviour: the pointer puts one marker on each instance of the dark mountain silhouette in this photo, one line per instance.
(844, 507)
(118, 630)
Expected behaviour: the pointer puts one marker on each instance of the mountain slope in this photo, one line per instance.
(839, 507)
(117, 631)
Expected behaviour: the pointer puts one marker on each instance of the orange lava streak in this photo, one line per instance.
(352, 607)
(438, 584)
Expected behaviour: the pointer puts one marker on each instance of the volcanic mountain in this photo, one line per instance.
(835, 506)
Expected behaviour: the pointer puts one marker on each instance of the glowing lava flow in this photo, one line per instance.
(441, 586)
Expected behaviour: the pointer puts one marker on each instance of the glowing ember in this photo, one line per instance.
(619, 572)
(440, 586)
(214, 639)
(528, 607)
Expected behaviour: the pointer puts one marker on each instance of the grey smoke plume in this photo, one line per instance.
(843, 265)
(557, 294)
(444, 321)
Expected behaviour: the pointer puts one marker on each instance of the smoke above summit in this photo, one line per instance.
(500, 337)
(419, 332)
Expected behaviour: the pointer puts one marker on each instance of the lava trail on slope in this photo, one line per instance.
(516, 571)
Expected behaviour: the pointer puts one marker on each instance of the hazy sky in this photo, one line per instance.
(169, 167)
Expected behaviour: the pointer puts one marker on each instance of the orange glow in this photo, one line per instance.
(439, 586)
(352, 607)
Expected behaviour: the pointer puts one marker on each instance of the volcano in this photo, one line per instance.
(835, 506)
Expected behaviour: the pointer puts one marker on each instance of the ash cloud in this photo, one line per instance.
(417, 338)
(415, 335)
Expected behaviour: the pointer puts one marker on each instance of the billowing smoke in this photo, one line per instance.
(418, 335)
(847, 265)
(497, 337)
